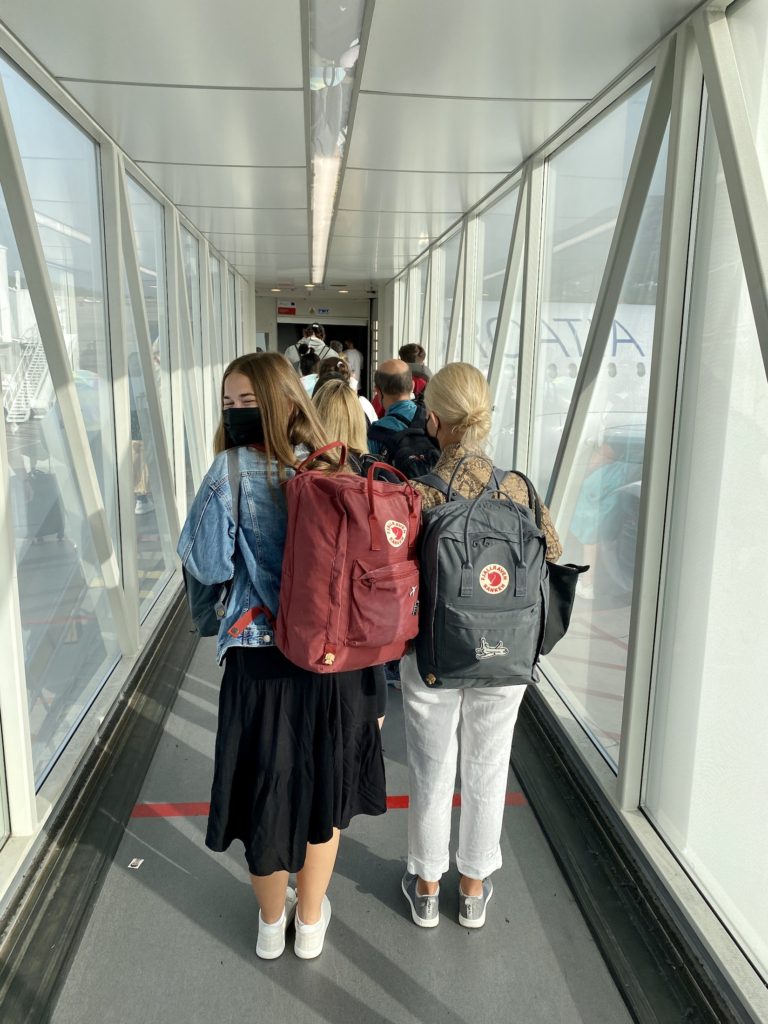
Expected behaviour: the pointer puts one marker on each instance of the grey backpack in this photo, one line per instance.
(484, 589)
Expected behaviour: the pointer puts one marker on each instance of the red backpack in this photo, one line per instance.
(349, 593)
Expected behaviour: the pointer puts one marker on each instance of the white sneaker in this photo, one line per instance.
(310, 937)
(143, 505)
(271, 941)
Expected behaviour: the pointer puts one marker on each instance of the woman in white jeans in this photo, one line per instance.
(459, 418)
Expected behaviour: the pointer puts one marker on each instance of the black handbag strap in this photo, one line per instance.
(533, 498)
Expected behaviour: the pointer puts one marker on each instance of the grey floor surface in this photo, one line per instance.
(174, 940)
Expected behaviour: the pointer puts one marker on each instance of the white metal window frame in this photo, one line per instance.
(698, 53)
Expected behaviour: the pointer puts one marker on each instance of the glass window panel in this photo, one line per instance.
(402, 290)
(217, 342)
(414, 312)
(585, 185)
(505, 408)
(748, 22)
(423, 289)
(706, 783)
(215, 368)
(5, 821)
(450, 264)
(191, 489)
(70, 643)
(61, 166)
(599, 517)
(153, 534)
(149, 227)
(191, 254)
(494, 227)
(231, 298)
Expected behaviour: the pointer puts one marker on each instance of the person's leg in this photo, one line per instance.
(269, 891)
(431, 722)
(313, 879)
(488, 719)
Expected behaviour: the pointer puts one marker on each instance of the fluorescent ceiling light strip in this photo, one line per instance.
(334, 49)
(325, 180)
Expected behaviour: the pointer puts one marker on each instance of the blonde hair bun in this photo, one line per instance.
(460, 397)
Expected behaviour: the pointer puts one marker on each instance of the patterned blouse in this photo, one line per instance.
(472, 478)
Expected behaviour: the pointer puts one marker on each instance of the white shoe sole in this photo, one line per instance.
(311, 954)
(272, 954)
(416, 919)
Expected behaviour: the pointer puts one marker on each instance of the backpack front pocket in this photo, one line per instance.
(479, 645)
(384, 604)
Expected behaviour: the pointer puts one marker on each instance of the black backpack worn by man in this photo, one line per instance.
(400, 437)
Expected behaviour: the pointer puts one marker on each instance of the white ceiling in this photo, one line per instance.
(209, 100)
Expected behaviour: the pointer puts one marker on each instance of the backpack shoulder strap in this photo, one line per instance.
(378, 433)
(433, 480)
(533, 498)
(397, 416)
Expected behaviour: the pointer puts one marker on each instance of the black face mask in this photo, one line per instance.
(244, 426)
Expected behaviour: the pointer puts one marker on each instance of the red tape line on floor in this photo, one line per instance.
(194, 810)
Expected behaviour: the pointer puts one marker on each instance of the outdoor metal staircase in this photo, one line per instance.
(28, 381)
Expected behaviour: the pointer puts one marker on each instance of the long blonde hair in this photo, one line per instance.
(341, 414)
(287, 415)
(460, 397)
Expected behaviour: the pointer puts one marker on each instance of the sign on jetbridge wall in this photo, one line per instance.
(321, 309)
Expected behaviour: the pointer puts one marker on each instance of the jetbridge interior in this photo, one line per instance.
(573, 199)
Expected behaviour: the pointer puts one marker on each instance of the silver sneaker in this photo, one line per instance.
(472, 908)
(424, 909)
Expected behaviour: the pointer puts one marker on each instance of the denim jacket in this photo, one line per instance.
(207, 544)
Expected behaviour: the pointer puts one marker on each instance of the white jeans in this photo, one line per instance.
(434, 719)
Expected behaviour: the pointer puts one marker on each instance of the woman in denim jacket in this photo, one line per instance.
(297, 754)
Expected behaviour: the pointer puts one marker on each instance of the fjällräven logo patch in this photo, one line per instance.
(494, 579)
(396, 532)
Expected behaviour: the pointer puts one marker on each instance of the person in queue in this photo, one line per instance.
(416, 358)
(355, 358)
(418, 383)
(342, 416)
(479, 720)
(297, 755)
(393, 382)
(309, 364)
(338, 369)
(314, 337)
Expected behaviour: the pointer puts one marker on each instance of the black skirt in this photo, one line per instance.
(297, 754)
